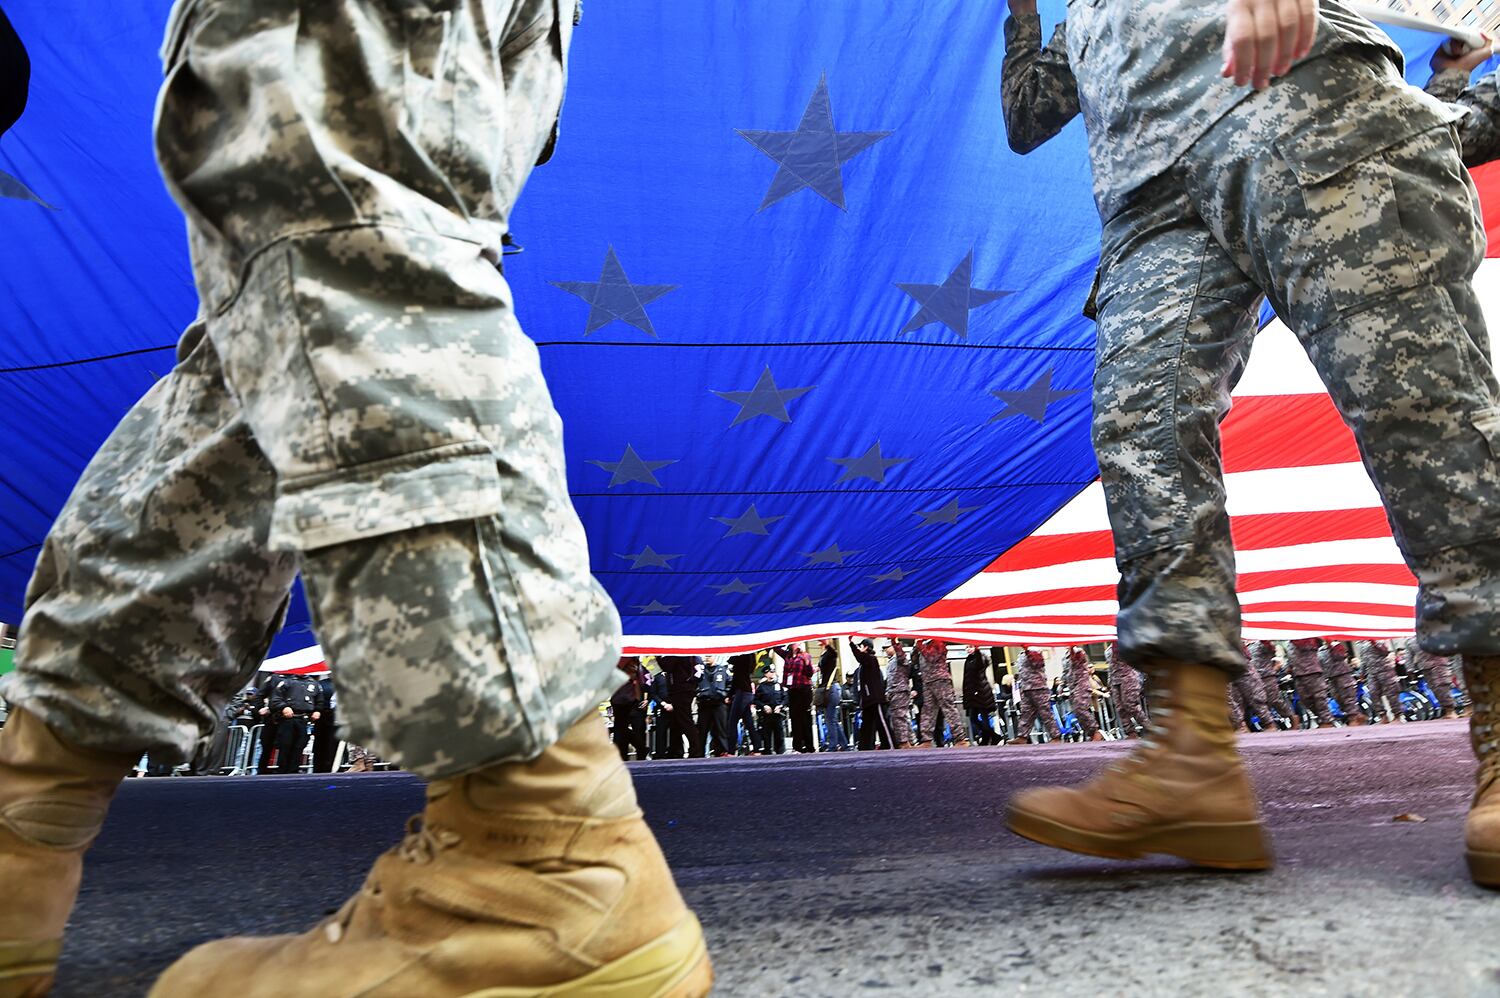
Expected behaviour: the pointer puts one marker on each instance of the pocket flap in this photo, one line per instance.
(442, 485)
(1370, 121)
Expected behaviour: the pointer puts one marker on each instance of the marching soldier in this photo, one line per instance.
(1263, 661)
(1247, 697)
(1308, 679)
(1379, 665)
(1338, 669)
(898, 690)
(1125, 691)
(1036, 698)
(1438, 671)
(1081, 687)
(939, 705)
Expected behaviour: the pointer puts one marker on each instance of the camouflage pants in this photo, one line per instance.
(1247, 698)
(938, 698)
(357, 402)
(1338, 193)
(1439, 677)
(1346, 692)
(1381, 684)
(1127, 700)
(898, 688)
(1312, 692)
(1037, 705)
(1080, 682)
(1270, 685)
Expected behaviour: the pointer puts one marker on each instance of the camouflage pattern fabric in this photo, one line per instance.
(1379, 666)
(357, 400)
(1436, 669)
(1031, 670)
(1248, 693)
(898, 693)
(1125, 691)
(1037, 705)
(1312, 692)
(1145, 76)
(1263, 661)
(1479, 131)
(1081, 685)
(1339, 193)
(1338, 669)
(938, 695)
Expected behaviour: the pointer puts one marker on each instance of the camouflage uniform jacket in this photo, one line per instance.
(1031, 671)
(1302, 657)
(1145, 76)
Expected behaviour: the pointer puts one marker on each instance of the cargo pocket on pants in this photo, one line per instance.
(447, 484)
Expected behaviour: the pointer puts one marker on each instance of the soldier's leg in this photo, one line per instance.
(1312, 691)
(347, 170)
(1083, 709)
(153, 601)
(1176, 319)
(1361, 223)
(927, 717)
(1236, 707)
(957, 720)
(1041, 705)
(1026, 715)
(1347, 695)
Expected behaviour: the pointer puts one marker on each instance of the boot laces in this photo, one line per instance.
(421, 844)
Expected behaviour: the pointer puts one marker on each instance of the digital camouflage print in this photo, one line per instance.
(356, 400)
(1338, 193)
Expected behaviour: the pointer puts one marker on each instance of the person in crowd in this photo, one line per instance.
(874, 723)
(898, 677)
(713, 707)
(770, 709)
(1125, 691)
(628, 704)
(1247, 698)
(742, 702)
(1035, 699)
(1308, 679)
(1437, 670)
(979, 698)
(1263, 659)
(831, 693)
(297, 702)
(1338, 670)
(271, 730)
(682, 689)
(1378, 663)
(939, 704)
(797, 674)
(1081, 692)
(325, 728)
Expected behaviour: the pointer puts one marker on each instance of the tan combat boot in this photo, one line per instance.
(1482, 830)
(1182, 792)
(53, 796)
(534, 878)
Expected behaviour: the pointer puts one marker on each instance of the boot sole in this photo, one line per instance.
(1221, 846)
(1484, 868)
(676, 965)
(27, 969)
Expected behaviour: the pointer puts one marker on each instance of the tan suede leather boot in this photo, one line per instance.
(1182, 792)
(53, 796)
(535, 878)
(1482, 830)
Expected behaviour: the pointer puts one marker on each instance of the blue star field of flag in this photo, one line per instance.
(813, 329)
(833, 362)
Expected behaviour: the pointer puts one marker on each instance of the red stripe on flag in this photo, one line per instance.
(1285, 431)
(1487, 179)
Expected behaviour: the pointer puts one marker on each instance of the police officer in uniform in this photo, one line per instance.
(297, 702)
(713, 707)
(770, 708)
(325, 728)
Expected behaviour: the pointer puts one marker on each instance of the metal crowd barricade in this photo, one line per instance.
(237, 752)
(256, 731)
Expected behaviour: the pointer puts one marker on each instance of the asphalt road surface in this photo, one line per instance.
(884, 873)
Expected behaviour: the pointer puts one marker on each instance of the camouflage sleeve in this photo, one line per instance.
(1480, 128)
(1037, 88)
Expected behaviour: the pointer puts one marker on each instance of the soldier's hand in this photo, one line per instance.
(1455, 54)
(1262, 38)
(1020, 7)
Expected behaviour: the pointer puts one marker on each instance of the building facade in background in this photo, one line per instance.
(1482, 14)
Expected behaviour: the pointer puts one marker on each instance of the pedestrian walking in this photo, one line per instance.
(797, 673)
(874, 724)
(979, 698)
(829, 698)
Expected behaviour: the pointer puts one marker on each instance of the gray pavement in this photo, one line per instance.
(886, 873)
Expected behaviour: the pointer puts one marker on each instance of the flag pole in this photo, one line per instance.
(1384, 15)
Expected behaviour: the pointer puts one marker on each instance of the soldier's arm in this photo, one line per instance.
(1479, 130)
(1037, 89)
